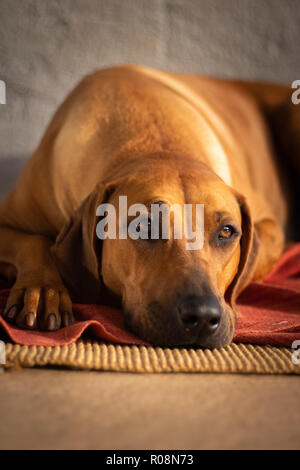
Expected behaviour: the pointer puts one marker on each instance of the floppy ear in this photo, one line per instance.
(77, 251)
(249, 250)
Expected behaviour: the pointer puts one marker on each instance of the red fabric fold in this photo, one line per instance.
(270, 314)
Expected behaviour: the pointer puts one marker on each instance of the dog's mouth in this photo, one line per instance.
(158, 336)
(159, 329)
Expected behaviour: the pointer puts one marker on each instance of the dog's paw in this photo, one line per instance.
(46, 307)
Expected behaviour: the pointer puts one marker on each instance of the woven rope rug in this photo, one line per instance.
(92, 355)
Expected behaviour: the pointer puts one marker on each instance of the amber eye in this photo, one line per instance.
(226, 232)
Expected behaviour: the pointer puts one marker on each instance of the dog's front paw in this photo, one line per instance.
(47, 307)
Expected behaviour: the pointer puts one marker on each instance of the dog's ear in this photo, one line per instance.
(77, 250)
(249, 250)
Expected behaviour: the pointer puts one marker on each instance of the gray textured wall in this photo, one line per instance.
(47, 45)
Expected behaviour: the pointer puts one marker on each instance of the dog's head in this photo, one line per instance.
(170, 294)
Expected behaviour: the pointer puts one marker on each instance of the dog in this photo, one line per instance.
(154, 137)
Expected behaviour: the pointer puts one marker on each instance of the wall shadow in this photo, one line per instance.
(10, 170)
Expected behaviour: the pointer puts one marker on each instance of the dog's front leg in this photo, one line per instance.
(38, 299)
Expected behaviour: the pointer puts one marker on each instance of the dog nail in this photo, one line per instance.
(11, 312)
(66, 319)
(29, 319)
(52, 322)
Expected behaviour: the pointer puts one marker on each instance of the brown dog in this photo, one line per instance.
(153, 137)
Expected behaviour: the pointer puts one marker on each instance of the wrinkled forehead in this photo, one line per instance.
(181, 189)
(148, 188)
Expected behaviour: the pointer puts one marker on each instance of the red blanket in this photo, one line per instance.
(270, 314)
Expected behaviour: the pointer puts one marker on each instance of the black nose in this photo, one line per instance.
(197, 312)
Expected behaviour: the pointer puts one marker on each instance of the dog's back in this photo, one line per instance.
(123, 111)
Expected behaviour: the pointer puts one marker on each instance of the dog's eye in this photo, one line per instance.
(145, 228)
(224, 235)
(226, 232)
